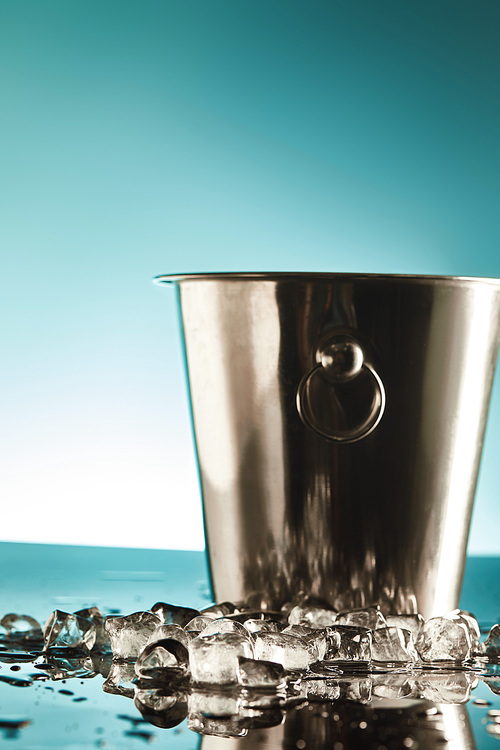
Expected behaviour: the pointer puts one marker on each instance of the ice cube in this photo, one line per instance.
(224, 625)
(172, 614)
(491, 646)
(413, 623)
(393, 645)
(311, 615)
(213, 659)
(93, 614)
(444, 639)
(367, 617)
(198, 624)
(348, 643)
(472, 624)
(21, 627)
(260, 674)
(129, 635)
(220, 609)
(169, 631)
(261, 626)
(120, 680)
(162, 706)
(288, 650)
(65, 630)
(164, 659)
(315, 639)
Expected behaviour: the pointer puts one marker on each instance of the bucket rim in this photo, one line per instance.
(176, 278)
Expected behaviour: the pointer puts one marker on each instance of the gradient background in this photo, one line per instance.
(152, 136)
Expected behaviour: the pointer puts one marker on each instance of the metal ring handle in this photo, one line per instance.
(341, 359)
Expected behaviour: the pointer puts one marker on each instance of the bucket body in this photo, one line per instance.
(339, 422)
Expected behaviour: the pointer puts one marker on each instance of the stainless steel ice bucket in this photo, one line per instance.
(339, 422)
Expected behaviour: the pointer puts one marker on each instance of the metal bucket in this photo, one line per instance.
(339, 422)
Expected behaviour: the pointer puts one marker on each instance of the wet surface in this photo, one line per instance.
(63, 704)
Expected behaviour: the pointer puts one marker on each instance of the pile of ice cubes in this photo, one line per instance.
(227, 658)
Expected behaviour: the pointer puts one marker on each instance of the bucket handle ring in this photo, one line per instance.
(340, 359)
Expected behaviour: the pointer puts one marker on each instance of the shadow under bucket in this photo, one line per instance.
(339, 422)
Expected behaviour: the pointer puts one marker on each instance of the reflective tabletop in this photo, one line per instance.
(70, 709)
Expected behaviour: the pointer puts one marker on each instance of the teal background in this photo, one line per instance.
(148, 137)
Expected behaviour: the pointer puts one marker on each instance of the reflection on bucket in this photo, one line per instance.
(339, 422)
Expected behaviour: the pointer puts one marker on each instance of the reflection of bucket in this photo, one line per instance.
(339, 422)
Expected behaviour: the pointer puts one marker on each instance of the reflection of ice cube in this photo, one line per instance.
(129, 635)
(65, 630)
(162, 707)
(214, 659)
(355, 688)
(215, 713)
(393, 645)
(258, 673)
(120, 680)
(311, 615)
(444, 639)
(392, 686)
(444, 687)
(322, 690)
(288, 650)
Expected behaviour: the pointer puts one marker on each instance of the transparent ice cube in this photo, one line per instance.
(367, 617)
(311, 615)
(413, 623)
(261, 626)
(393, 645)
(491, 646)
(213, 659)
(20, 627)
(220, 609)
(129, 635)
(65, 630)
(472, 625)
(315, 639)
(172, 614)
(224, 625)
(198, 624)
(444, 639)
(164, 659)
(348, 643)
(169, 631)
(260, 674)
(289, 650)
